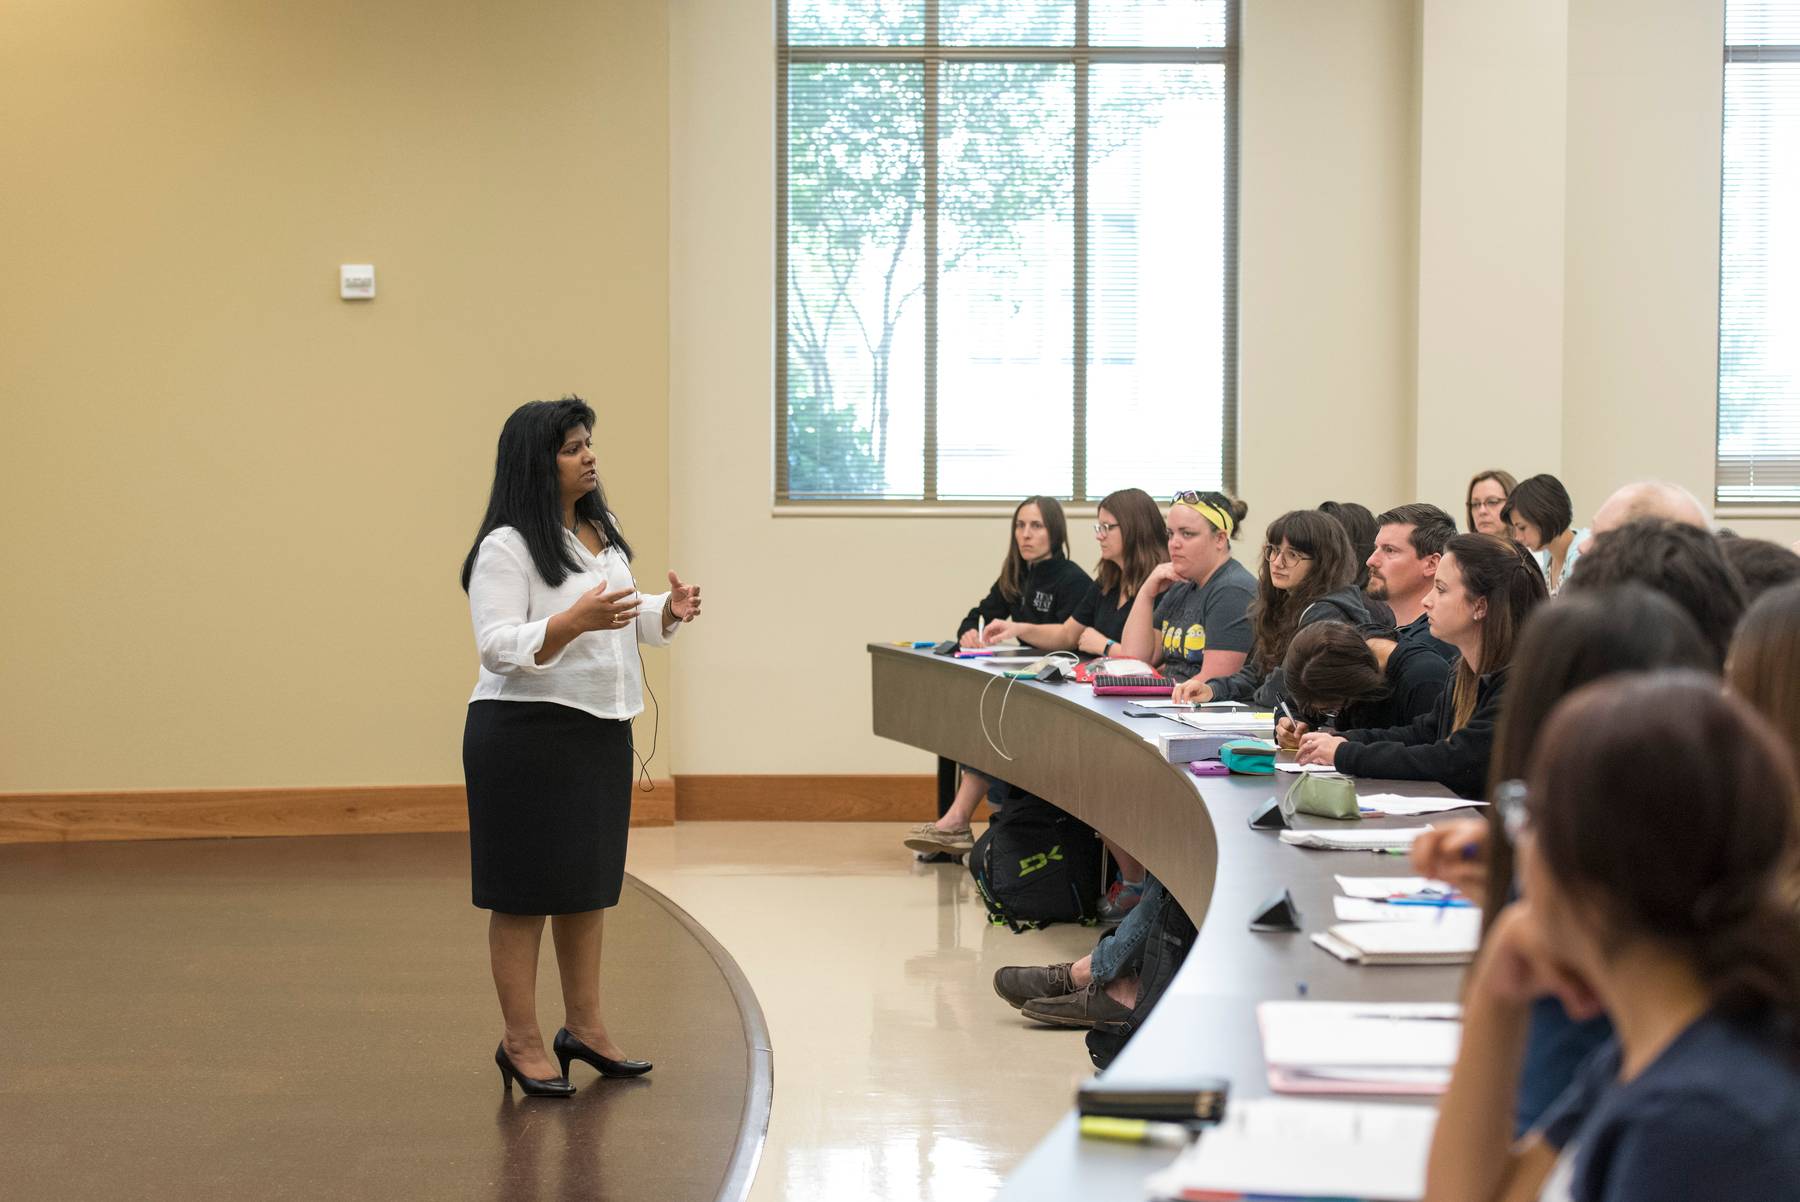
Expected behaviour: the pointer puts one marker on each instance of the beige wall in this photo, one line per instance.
(234, 505)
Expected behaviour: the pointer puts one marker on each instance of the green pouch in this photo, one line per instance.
(1323, 795)
(1251, 757)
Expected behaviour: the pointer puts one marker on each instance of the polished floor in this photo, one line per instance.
(898, 1074)
(312, 1018)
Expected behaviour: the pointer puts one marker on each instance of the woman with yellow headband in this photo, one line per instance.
(1191, 618)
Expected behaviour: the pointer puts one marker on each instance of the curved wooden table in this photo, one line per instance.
(1081, 752)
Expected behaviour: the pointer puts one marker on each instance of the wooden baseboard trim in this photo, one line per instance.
(801, 798)
(260, 813)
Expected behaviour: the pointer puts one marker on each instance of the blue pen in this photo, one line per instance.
(1450, 903)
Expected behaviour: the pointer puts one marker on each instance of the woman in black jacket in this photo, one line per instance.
(1484, 589)
(1038, 583)
(1340, 677)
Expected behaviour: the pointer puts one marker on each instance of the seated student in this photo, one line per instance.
(1760, 564)
(1572, 642)
(1680, 561)
(1359, 524)
(1357, 679)
(1409, 539)
(1038, 584)
(1653, 828)
(1541, 517)
(1191, 617)
(1487, 495)
(1646, 499)
(1483, 590)
(1308, 575)
(1764, 668)
(1132, 542)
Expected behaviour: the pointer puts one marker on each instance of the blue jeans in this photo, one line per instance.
(1120, 951)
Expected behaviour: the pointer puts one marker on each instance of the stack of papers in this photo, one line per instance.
(1398, 839)
(1395, 899)
(1283, 1148)
(1360, 1047)
(1215, 720)
(1451, 939)
(1290, 766)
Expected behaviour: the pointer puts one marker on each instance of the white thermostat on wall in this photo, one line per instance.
(356, 281)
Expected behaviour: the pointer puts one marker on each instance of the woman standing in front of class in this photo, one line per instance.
(547, 751)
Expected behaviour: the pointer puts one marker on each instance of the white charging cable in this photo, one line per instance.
(1066, 660)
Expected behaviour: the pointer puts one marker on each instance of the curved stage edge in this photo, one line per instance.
(759, 1086)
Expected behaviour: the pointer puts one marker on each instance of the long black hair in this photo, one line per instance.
(528, 496)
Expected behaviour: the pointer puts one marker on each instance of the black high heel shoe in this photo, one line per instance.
(568, 1048)
(532, 1087)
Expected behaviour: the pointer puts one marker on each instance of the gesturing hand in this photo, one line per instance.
(684, 599)
(598, 609)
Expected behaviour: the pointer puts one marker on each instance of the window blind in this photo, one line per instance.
(1006, 248)
(1759, 257)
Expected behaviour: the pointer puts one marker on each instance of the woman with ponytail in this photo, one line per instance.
(1484, 589)
(1652, 831)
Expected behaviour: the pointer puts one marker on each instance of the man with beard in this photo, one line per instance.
(1408, 541)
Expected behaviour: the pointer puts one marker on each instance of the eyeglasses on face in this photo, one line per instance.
(1488, 503)
(1287, 557)
(1511, 801)
(1102, 529)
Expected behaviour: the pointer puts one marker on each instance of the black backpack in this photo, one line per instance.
(1036, 865)
(1165, 949)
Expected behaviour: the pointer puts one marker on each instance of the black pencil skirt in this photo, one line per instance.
(549, 806)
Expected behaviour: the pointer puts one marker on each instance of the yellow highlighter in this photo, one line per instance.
(1135, 1131)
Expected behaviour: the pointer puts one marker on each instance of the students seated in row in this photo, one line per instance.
(1191, 617)
(1761, 565)
(1038, 586)
(1409, 540)
(1571, 642)
(1646, 499)
(1764, 668)
(1482, 592)
(1541, 518)
(1038, 583)
(1343, 677)
(1484, 500)
(1308, 575)
(1682, 562)
(1654, 829)
(1359, 524)
(1132, 542)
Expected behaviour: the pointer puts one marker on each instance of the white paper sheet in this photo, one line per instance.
(1391, 886)
(1398, 839)
(1364, 909)
(1396, 806)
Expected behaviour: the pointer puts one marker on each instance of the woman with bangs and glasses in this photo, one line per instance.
(1308, 575)
(1484, 589)
(1133, 540)
(1485, 499)
(1654, 829)
(1039, 586)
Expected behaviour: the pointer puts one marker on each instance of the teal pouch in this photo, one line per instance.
(1251, 757)
(1323, 795)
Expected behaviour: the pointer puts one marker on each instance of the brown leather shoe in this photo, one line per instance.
(1019, 985)
(1080, 1008)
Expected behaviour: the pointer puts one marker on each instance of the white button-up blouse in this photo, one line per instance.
(511, 604)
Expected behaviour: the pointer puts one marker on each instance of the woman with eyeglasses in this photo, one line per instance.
(1308, 575)
(1654, 828)
(1486, 497)
(1192, 616)
(1132, 542)
(1484, 589)
(1039, 586)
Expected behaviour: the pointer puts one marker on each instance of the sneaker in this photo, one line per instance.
(927, 837)
(1120, 900)
(1016, 986)
(1081, 1008)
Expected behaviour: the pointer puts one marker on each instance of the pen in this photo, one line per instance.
(1413, 1018)
(1446, 903)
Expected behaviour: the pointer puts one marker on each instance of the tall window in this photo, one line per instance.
(1759, 262)
(1006, 248)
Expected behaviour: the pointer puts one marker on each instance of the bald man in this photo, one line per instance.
(1648, 499)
